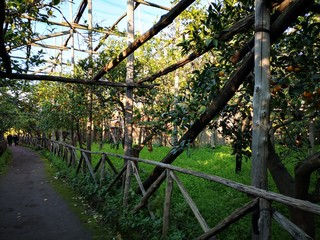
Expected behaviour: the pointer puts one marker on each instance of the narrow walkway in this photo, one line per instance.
(30, 209)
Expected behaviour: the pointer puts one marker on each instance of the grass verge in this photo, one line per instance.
(5, 159)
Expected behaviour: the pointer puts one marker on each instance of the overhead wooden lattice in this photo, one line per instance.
(72, 34)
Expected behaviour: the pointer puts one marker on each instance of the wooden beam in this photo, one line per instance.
(112, 27)
(235, 216)
(89, 167)
(290, 227)
(261, 116)
(63, 48)
(73, 25)
(43, 37)
(125, 14)
(166, 205)
(70, 80)
(225, 35)
(205, 227)
(152, 5)
(164, 21)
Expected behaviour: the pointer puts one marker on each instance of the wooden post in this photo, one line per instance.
(166, 205)
(90, 73)
(261, 117)
(72, 40)
(129, 99)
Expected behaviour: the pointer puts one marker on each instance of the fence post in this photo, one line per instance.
(261, 117)
(166, 207)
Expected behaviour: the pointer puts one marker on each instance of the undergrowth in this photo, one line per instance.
(5, 158)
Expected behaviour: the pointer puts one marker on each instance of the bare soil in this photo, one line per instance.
(29, 206)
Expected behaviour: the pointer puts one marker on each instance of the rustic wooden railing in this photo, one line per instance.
(69, 154)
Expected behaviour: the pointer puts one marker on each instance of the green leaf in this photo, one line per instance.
(56, 2)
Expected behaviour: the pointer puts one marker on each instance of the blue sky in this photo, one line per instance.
(105, 13)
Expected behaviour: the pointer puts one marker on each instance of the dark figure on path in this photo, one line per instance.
(9, 139)
(16, 140)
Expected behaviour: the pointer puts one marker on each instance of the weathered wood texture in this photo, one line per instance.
(166, 205)
(32, 77)
(291, 228)
(261, 116)
(235, 216)
(190, 202)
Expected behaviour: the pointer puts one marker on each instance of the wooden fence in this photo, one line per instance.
(70, 155)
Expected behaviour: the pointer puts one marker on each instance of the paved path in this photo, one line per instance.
(30, 209)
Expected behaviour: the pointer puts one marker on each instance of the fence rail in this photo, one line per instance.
(68, 154)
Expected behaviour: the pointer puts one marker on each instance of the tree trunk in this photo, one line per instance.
(303, 172)
(298, 188)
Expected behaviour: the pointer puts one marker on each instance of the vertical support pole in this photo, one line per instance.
(72, 39)
(128, 129)
(72, 71)
(261, 116)
(174, 137)
(90, 74)
(166, 205)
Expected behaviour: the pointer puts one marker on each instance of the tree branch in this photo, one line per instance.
(3, 52)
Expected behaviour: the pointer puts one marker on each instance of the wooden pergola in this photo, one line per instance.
(254, 55)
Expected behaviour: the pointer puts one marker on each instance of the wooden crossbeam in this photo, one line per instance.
(70, 80)
(113, 27)
(289, 226)
(73, 26)
(164, 21)
(225, 35)
(205, 227)
(235, 216)
(152, 4)
(57, 34)
(63, 48)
